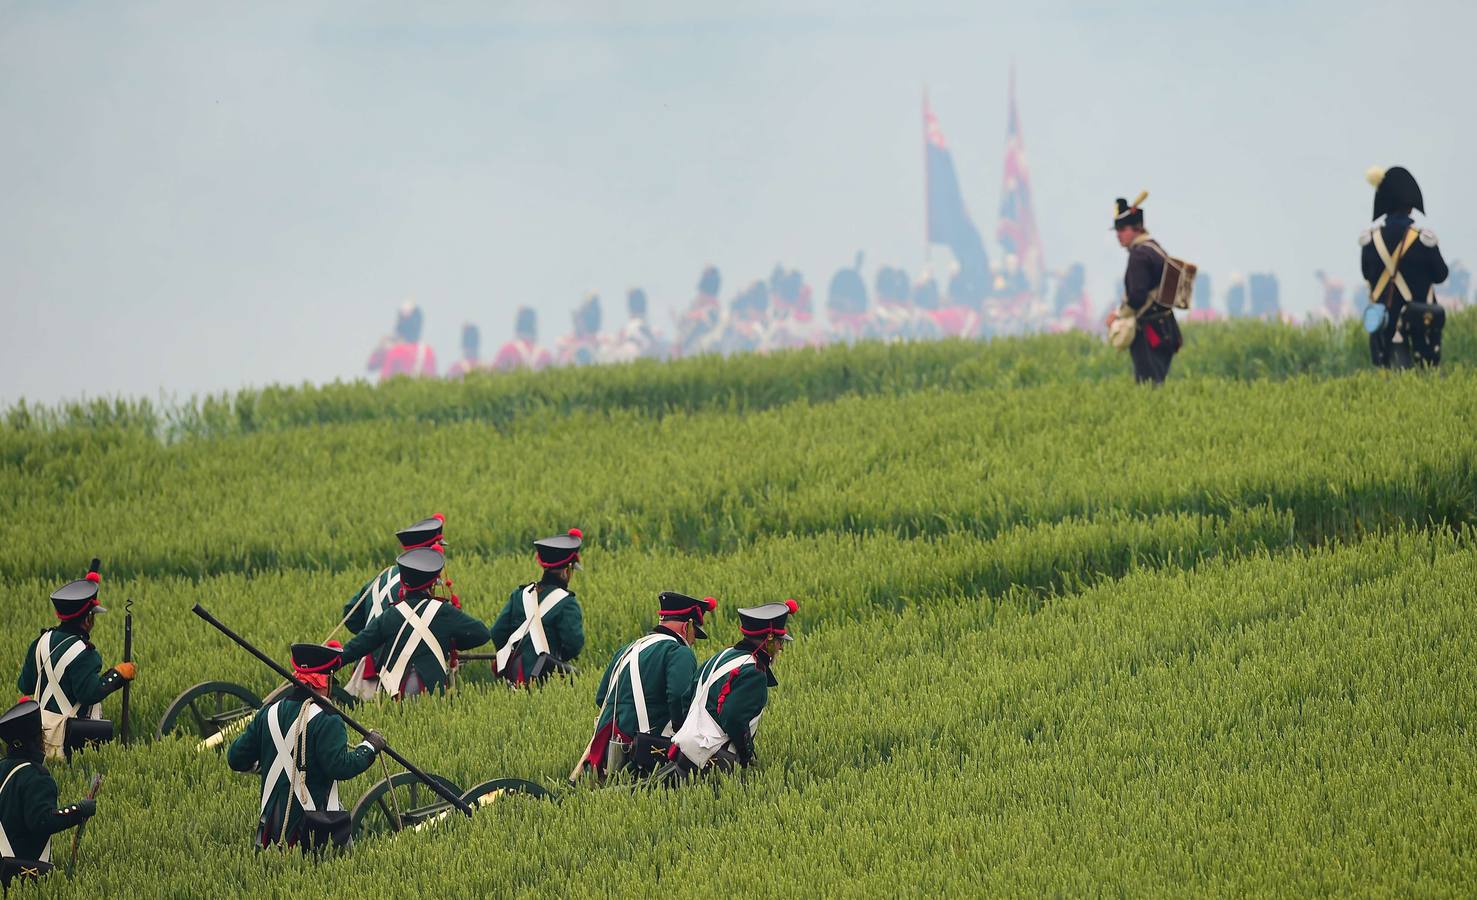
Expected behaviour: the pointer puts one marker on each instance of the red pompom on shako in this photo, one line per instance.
(423, 533)
(76, 599)
(769, 619)
(794, 607)
(677, 607)
(560, 550)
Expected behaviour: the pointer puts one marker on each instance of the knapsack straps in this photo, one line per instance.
(1392, 265)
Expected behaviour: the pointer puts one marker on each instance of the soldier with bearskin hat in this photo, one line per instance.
(404, 353)
(582, 347)
(636, 339)
(699, 326)
(64, 671)
(28, 812)
(1402, 264)
(301, 752)
(377, 595)
(471, 359)
(730, 695)
(846, 305)
(541, 627)
(416, 637)
(523, 352)
(647, 688)
(1156, 336)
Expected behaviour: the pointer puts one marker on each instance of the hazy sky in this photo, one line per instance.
(200, 196)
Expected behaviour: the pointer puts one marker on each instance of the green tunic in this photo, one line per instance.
(735, 702)
(28, 810)
(327, 755)
(372, 599)
(564, 626)
(83, 681)
(388, 639)
(666, 668)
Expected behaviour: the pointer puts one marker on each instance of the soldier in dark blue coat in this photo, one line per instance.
(1402, 264)
(1157, 338)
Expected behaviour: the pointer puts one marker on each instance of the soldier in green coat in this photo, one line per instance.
(377, 595)
(64, 671)
(414, 638)
(302, 753)
(731, 693)
(541, 627)
(28, 812)
(647, 688)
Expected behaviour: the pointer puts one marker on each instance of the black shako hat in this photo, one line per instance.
(560, 550)
(423, 533)
(763, 621)
(317, 659)
(686, 609)
(21, 724)
(419, 568)
(1395, 190)
(76, 599)
(1127, 215)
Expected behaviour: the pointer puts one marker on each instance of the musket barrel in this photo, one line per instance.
(441, 790)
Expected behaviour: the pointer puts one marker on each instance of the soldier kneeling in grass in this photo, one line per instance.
(414, 638)
(731, 693)
(64, 671)
(646, 690)
(302, 753)
(541, 627)
(28, 813)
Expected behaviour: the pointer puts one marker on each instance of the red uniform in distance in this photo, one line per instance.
(404, 358)
(521, 354)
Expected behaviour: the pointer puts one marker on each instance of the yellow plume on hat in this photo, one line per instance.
(1374, 175)
(1139, 200)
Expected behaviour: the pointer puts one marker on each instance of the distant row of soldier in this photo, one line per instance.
(779, 313)
(659, 713)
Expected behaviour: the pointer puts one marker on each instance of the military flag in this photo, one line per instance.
(948, 219)
(1017, 231)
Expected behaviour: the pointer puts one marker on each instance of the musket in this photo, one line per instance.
(97, 783)
(123, 727)
(327, 705)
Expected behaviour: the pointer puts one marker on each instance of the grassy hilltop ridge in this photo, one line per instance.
(1058, 633)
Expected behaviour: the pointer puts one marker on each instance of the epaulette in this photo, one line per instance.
(1366, 236)
(1428, 237)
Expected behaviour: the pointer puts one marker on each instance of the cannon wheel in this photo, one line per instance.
(208, 708)
(489, 792)
(376, 812)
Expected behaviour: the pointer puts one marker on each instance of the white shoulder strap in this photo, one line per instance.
(5, 848)
(284, 763)
(51, 692)
(533, 623)
(381, 592)
(418, 623)
(632, 664)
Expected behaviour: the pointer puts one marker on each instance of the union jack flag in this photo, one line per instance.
(1017, 231)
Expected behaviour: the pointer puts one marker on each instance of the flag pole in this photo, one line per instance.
(927, 187)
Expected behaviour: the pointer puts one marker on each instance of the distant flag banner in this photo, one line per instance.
(948, 220)
(1017, 232)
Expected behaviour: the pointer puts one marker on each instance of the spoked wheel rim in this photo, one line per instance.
(490, 792)
(209, 709)
(380, 813)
